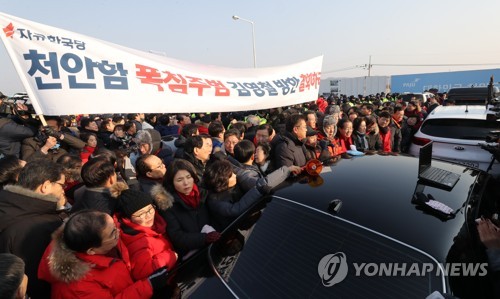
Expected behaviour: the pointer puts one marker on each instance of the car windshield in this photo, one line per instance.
(283, 252)
(468, 99)
(410, 96)
(471, 129)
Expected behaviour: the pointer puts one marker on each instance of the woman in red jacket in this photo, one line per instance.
(144, 232)
(86, 259)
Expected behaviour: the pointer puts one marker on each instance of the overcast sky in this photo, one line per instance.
(401, 32)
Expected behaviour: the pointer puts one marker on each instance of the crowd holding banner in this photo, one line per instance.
(102, 201)
(69, 73)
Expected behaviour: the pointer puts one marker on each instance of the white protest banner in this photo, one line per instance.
(69, 73)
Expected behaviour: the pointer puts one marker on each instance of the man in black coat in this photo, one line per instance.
(150, 171)
(12, 132)
(288, 149)
(29, 213)
(99, 175)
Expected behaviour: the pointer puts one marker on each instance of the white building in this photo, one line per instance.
(354, 86)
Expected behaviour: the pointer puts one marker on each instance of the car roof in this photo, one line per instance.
(383, 202)
(377, 218)
(282, 252)
(473, 112)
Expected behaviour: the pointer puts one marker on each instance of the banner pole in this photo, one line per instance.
(42, 119)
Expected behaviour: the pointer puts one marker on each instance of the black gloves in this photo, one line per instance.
(159, 278)
(212, 237)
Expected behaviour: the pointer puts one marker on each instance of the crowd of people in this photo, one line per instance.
(107, 205)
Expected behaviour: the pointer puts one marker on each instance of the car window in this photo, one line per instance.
(471, 129)
(282, 253)
(468, 99)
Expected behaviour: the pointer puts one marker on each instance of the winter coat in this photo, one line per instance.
(288, 151)
(104, 136)
(87, 151)
(179, 143)
(374, 141)
(11, 135)
(146, 184)
(247, 176)
(198, 165)
(79, 275)
(149, 247)
(27, 219)
(167, 130)
(360, 141)
(227, 205)
(31, 148)
(94, 198)
(184, 222)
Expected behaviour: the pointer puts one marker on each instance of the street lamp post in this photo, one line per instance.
(253, 38)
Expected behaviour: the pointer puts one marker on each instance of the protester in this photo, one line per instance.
(144, 233)
(264, 133)
(182, 121)
(138, 120)
(187, 131)
(216, 131)
(149, 142)
(87, 259)
(359, 134)
(327, 139)
(72, 168)
(288, 147)
(90, 140)
(344, 134)
(263, 157)
(226, 200)
(197, 151)
(13, 281)
(311, 119)
(253, 122)
(30, 211)
(166, 126)
(231, 139)
(99, 175)
(10, 167)
(188, 219)
(12, 134)
(150, 172)
(390, 135)
(373, 134)
(120, 139)
(51, 142)
(106, 128)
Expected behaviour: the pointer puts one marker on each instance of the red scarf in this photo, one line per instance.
(386, 140)
(193, 198)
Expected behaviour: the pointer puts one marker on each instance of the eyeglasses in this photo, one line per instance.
(143, 215)
(302, 127)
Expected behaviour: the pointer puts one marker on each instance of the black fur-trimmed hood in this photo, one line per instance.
(163, 199)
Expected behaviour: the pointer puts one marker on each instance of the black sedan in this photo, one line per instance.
(358, 230)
